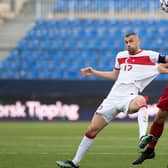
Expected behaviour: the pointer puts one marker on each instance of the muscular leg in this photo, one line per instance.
(157, 127)
(158, 123)
(156, 131)
(139, 105)
(161, 117)
(96, 125)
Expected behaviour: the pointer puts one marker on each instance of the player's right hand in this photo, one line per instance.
(87, 71)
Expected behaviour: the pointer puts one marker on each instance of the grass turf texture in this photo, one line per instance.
(40, 144)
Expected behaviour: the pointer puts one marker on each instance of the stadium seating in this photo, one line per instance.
(57, 49)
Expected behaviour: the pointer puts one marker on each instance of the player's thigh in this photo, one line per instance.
(136, 103)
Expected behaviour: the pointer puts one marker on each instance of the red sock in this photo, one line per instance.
(156, 130)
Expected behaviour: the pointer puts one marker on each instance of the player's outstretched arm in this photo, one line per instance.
(163, 68)
(88, 71)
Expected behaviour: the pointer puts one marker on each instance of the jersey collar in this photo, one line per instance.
(139, 51)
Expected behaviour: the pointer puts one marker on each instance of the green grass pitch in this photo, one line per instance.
(40, 144)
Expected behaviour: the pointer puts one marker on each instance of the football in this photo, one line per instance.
(164, 5)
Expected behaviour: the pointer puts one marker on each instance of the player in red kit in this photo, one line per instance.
(157, 127)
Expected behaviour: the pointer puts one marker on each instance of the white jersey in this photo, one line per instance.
(136, 71)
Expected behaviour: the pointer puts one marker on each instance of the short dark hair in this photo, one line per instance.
(130, 34)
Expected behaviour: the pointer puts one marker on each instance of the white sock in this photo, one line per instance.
(142, 121)
(82, 149)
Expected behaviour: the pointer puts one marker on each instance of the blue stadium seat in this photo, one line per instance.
(58, 49)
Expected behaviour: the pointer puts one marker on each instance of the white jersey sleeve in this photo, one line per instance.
(154, 56)
(117, 64)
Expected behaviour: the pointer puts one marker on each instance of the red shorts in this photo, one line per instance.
(163, 101)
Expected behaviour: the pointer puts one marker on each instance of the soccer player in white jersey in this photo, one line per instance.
(134, 69)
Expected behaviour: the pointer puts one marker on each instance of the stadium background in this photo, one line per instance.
(44, 43)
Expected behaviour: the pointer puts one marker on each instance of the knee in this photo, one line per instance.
(159, 120)
(140, 101)
(137, 103)
(161, 117)
(92, 132)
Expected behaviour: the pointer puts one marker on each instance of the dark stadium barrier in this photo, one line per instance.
(73, 100)
(64, 88)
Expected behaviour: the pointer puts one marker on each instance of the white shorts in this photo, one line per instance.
(113, 105)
